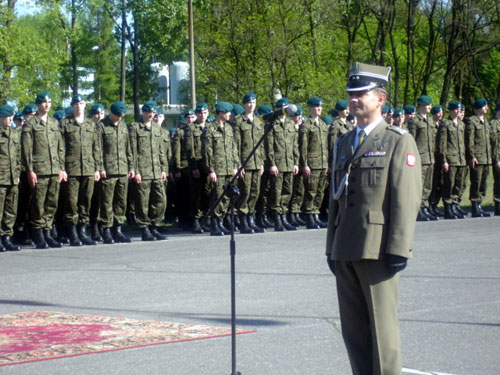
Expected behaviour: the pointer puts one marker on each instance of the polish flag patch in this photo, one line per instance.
(411, 159)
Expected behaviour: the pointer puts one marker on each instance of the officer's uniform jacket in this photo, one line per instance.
(10, 156)
(117, 156)
(314, 144)
(248, 133)
(83, 154)
(281, 145)
(147, 146)
(220, 152)
(167, 147)
(181, 148)
(477, 140)
(424, 130)
(495, 140)
(376, 195)
(194, 134)
(42, 147)
(451, 147)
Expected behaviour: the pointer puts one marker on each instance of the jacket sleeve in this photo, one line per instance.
(303, 142)
(133, 147)
(443, 142)
(469, 140)
(61, 148)
(27, 147)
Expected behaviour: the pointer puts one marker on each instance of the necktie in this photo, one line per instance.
(361, 137)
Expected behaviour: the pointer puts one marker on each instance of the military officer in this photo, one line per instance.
(220, 155)
(424, 130)
(340, 125)
(398, 117)
(249, 130)
(118, 167)
(151, 169)
(478, 153)
(451, 151)
(410, 110)
(495, 154)
(281, 147)
(298, 180)
(10, 168)
(376, 196)
(314, 161)
(97, 115)
(437, 174)
(43, 159)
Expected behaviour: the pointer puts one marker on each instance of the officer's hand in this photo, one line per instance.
(331, 264)
(212, 177)
(63, 176)
(196, 173)
(131, 175)
(497, 166)
(295, 170)
(138, 178)
(163, 176)
(103, 174)
(273, 171)
(32, 178)
(97, 176)
(395, 263)
(307, 172)
(242, 173)
(473, 163)
(261, 170)
(446, 167)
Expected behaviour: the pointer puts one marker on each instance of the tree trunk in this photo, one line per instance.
(450, 55)
(410, 48)
(74, 57)
(123, 62)
(137, 112)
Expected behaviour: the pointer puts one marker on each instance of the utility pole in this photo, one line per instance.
(191, 54)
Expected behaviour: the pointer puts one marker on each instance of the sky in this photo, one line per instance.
(26, 7)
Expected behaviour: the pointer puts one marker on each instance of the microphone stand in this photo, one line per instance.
(232, 191)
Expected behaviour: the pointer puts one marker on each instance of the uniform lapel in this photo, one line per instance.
(371, 142)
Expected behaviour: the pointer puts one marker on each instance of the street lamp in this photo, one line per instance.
(97, 88)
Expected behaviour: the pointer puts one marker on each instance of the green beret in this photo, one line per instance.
(201, 107)
(265, 109)
(327, 119)
(398, 112)
(6, 110)
(249, 96)
(172, 130)
(453, 105)
(189, 112)
(298, 112)
(77, 98)
(30, 108)
(118, 108)
(390, 109)
(342, 105)
(409, 109)
(149, 106)
(211, 118)
(462, 106)
(333, 113)
(18, 115)
(69, 111)
(424, 100)
(181, 119)
(497, 108)
(436, 109)
(59, 115)
(480, 103)
(96, 108)
(314, 102)
(160, 111)
(385, 109)
(43, 97)
(223, 107)
(282, 102)
(237, 110)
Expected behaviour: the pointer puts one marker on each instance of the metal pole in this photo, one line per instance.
(191, 54)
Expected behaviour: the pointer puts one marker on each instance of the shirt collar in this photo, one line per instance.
(369, 128)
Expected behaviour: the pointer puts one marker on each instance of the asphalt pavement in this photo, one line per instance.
(449, 301)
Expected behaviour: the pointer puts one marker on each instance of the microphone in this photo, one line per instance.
(289, 109)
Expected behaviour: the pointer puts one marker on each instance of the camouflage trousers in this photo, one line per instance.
(78, 195)
(478, 176)
(249, 186)
(427, 174)
(8, 209)
(496, 185)
(217, 189)
(297, 194)
(314, 191)
(44, 200)
(113, 204)
(281, 192)
(150, 203)
(453, 181)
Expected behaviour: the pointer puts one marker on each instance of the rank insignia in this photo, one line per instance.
(374, 154)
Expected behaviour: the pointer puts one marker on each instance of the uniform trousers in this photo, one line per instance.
(23, 203)
(478, 176)
(78, 193)
(281, 192)
(182, 196)
(113, 204)
(427, 172)
(150, 202)
(263, 201)
(199, 196)
(496, 185)
(217, 190)
(437, 184)
(452, 184)
(367, 295)
(314, 191)
(297, 194)
(44, 200)
(249, 186)
(95, 202)
(8, 209)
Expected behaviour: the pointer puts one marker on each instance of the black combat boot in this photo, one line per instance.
(448, 213)
(286, 224)
(82, 234)
(497, 208)
(254, 226)
(244, 227)
(227, 223)
(118, 235)
(2, 249)
(23, 238)
(259, 221)
(154, 231)
(311, 223)
(291, 219)
(236, 222)
(62, 234)
(50, 240)
(299, 220)
(147, 235)
(107, 238)
(434, 210)
(476, 212)
(321, 223)
(428, 213)
(197, 227)
(74, 240)
(222, 227)
(421, 216)
(7, 243)
(278, 224)
(214, 228)
(456, 211)
(483, 213)
(39, 239)
(459, 209)
(266, 221)
(95, 234)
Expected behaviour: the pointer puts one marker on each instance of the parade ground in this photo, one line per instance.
(286, 303)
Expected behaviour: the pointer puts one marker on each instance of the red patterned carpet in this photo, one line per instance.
(41, 335)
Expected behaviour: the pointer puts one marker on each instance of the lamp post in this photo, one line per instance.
(97, 87)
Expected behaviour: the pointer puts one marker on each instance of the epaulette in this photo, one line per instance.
(397, 129)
